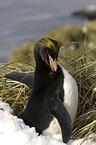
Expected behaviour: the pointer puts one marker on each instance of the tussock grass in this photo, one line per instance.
(85, 35)
(78, 59)
(83, 70)
(14, 93)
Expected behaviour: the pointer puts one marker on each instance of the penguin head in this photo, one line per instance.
(46, 52)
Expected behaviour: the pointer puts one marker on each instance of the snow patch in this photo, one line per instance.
(13, 131)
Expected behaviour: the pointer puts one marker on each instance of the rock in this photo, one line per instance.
(88, 12)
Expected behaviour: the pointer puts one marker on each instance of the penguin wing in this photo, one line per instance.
(25, 78)
(58, 110)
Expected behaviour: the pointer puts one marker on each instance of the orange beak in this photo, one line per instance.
(53, 64)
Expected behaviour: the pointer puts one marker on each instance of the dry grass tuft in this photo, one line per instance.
(79, 60)
(83, 68)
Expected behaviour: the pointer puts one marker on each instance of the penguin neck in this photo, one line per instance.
(42, 69)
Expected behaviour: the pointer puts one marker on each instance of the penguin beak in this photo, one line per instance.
(53, 64)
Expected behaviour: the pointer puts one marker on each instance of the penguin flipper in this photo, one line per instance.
(25, 78)
(58, 110)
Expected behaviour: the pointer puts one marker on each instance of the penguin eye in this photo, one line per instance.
(51, 53)
(47, 52)
(48, 56)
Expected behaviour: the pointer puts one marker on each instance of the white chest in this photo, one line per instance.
(70, 102)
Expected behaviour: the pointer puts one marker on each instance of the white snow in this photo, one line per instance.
(14, 132)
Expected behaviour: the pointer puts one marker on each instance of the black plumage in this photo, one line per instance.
(47, 96)
(24, 78)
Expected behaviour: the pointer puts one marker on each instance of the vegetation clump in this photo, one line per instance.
(82, 35)
(78, 58)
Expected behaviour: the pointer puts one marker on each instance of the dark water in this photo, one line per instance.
(21, 20)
